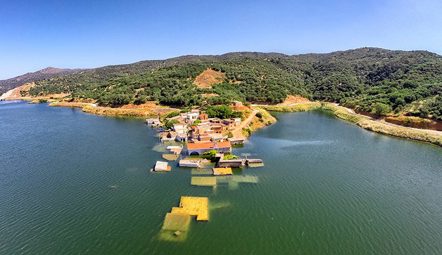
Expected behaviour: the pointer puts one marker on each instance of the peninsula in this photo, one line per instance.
(392, 92)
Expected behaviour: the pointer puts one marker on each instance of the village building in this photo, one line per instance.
(216, 120)
(237, 140)
(154, 122)
(189, 163)
(180, 128)
(181, 138)
(207, 129)
(201, 147)
(161, 166)
(168, 136)
(217, 128)
(205, 137)
(204, 127)
(229, 124)
(181, 132)
(175, 149)
(233, 163)
(203, 116)
(190, 117)
(216, 137)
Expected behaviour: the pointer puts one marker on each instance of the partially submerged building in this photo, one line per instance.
(201, 147)
(189, 163)
(237, 140)
(232, 163)
(153, 122)
(161, 166)
(181, 132)
(168, 136)
(222, 171)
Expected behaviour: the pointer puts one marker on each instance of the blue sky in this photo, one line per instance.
(85, 33)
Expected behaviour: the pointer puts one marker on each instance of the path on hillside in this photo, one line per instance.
(428, 131)
(237, 132)
(351, 111)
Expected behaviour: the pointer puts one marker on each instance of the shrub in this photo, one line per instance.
(381, 109)
(230, 156)
(169, 123)
(172, 114)
(222, 112)
(210, 155)
(140, 100)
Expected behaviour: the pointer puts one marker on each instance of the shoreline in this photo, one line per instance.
(266, 119)
(128, 111)
(365, 122)
(343, 113)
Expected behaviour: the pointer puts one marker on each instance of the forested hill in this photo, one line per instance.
(367, 79)
(46, 73)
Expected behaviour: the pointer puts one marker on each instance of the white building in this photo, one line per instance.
(190, 117)
(181, 132)
(154, 122)
(180, 129)
(161, 166)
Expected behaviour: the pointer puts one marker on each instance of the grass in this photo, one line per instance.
(299, 107)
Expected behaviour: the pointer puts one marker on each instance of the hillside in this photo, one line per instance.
(371, 80)
(46, 73)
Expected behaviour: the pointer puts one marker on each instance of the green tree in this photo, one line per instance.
(381, 109)
(221, 111)
(168, 124)
(210, 155)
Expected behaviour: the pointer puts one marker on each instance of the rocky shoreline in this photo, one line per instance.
(368, 123)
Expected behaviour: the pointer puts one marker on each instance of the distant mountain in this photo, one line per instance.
(46, 73)
(365, 79)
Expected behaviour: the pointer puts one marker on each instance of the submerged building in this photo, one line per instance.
(200, 148)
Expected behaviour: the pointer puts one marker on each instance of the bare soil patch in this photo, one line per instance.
(208, 78)
(294, 99)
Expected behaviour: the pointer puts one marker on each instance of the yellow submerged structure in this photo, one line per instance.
(194, 206)
(207, 181)
(222, 171)
(177, 222)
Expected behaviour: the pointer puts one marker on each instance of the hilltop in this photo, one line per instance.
(46, 73)
(371, 80)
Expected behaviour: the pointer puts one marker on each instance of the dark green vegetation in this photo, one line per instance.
(211, 155)
(46, 73)
(365, 79)
(222, 112)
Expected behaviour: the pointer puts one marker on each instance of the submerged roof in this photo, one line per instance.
(162, 166)
(222, 171)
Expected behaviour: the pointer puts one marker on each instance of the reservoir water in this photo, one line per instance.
(73, 183)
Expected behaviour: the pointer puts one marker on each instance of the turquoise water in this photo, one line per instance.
(73, 183)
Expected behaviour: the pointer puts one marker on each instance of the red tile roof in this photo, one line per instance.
(208, 145)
